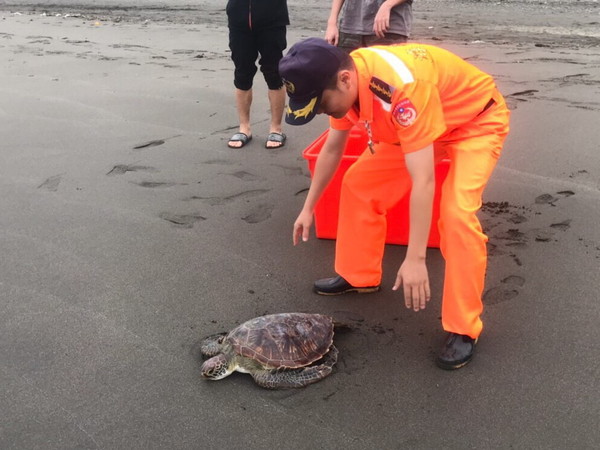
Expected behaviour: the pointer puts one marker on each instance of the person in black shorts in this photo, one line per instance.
(257, 30)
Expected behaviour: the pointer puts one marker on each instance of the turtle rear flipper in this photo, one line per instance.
(297, 378)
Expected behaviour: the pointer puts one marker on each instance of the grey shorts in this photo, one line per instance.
(349, 42)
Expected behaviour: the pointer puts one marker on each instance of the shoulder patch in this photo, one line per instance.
(405, 113)
(381, 89)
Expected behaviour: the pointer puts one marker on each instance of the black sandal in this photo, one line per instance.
(278, 138)
(239, 137)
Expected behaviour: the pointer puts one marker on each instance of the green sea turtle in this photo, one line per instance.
(287, 350)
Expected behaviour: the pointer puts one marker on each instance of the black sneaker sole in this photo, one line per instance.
(360, 290)
(447, 366)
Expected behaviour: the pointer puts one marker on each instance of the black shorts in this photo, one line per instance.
(246, 45)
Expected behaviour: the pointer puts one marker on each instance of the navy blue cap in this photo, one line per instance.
(306, 71)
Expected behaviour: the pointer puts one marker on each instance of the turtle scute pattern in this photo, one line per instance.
(294, 341)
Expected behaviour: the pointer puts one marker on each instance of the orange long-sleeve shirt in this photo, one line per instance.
(414, 94)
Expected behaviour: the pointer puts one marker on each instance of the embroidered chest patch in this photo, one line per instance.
(405, 113)
(419, 53)
(381, 89)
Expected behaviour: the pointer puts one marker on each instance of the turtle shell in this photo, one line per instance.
(287, 340)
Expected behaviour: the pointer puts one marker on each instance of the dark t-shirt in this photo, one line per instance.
(358, 17)
(257, 13)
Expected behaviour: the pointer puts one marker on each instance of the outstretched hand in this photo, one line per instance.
(302, 227)
(414, 277)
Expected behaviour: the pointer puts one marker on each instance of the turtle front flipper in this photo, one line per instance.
(297, 378)
(211, 345)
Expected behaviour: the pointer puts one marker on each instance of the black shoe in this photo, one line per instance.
(457, 351)
(337, 285)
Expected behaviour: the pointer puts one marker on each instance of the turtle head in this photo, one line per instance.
(216, 367)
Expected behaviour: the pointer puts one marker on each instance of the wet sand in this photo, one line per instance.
(130, 231)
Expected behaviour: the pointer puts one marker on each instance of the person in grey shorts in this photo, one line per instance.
(368, 22)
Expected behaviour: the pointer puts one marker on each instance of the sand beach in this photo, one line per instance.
(129, 231)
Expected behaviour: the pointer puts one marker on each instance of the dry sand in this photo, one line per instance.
(130, 231)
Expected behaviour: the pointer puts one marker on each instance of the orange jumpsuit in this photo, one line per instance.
(409, 97)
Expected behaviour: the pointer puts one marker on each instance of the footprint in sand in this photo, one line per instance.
(579, 173)
(120, 169)
(184, 51)
(41, 41)
(345, 317)
(541, 235)
(500, 215)
(182, 220)
(562, 226)
(528, 93)
(259, 214)
(545, 199)
(513, 99)
(517, 219)
(51, 184)
(549, 199)
(493, 250)
(507, 290)
(566, 193)
(547, 235)
(497, 215)
(214, 201)
(513, 235)
(517, 245)
(154, 184)
(154, 143)
(290, 171)
(223, 162)
(128, 46)
(76, 42)
(243, 175)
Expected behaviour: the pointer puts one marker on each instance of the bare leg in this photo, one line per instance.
(243, 101)
(277, 103)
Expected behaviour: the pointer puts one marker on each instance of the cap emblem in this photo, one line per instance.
(303, 112)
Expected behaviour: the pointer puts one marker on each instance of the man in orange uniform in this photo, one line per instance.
(418, 104)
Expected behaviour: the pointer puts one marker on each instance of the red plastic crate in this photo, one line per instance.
(326, 211)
